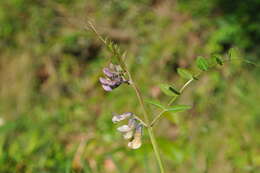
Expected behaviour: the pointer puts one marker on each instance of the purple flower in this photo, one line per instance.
(114, 78)
(132, 131)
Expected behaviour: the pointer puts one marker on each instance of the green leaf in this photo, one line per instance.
(169, 90)
(174, 90)
(155, 103)
(178, 108)
(202, 63)
(184, 73)
(218, 59)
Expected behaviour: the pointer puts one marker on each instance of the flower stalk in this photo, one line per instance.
(116, 52)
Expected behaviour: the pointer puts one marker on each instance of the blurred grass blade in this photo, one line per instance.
(184, 73)
(202, 63)
(155, 103)
(169, 90)
(178, 108)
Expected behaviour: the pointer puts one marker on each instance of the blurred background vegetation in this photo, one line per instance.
(55, 117)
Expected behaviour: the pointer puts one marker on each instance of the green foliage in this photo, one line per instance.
(184, 73)
(202, 63)
(218, 59)
(155, 103)
(178, 108)
(169, 90)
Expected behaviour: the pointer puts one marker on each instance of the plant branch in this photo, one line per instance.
(139, 96)
(92, 27)
(158, 117)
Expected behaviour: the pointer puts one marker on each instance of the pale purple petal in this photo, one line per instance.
(107, 88)
(121, 117)
(124, 128)
(105, 81)
(108, 73)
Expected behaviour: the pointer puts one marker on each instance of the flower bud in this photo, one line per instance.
(109, 73)
(114, 78)
(132, 131)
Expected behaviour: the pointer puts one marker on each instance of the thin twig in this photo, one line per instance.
(91, 26)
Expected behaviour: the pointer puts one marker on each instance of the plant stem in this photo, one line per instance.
(140, 99)
(92, 27)
(149, 127)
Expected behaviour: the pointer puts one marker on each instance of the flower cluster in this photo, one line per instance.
(114, 77)
(132, 131)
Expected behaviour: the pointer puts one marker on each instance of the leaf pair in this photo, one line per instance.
(169, 90)
(184, 73)
(176, 108)
(204, 64)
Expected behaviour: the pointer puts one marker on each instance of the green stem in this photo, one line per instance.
(149, 127)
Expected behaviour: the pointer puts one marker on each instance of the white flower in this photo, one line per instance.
(132, 131)
(129, 135)
(136, 142)
(126, 128)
